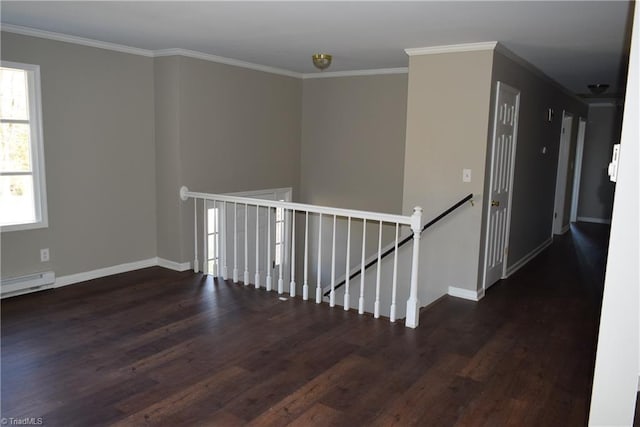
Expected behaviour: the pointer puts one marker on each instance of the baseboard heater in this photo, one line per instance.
(25, 284)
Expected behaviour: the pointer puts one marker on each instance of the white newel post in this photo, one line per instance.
(413, 305)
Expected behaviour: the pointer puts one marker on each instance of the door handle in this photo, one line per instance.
(495, 203)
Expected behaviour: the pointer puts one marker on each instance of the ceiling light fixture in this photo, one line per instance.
(598, 88)
(321, 60)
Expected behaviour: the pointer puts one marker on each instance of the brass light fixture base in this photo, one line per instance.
(321, 60)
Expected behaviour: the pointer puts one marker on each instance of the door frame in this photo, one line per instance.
(577, 171)
(499, 86)
(564, 149)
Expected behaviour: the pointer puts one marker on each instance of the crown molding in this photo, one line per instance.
(500, 48)
(463, 47)
(26, 31)
(227, 61)
(355, 73)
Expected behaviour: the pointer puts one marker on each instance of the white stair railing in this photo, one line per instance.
(239, 208)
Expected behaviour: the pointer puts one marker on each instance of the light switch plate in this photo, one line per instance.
(466, 175)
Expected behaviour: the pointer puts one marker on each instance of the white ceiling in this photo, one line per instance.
(573, 42)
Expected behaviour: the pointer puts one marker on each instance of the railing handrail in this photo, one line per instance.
(391, 248)
(414, 221)
(302, 207)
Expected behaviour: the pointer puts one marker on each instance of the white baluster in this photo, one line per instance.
(413, 305)
(257, 276)
(269, 260)
(305, 286)
(364, 238)
(347, 268)
(235, 242)
(222, 243)
(332, 294)
(205, 251)
(195, 235)
(281, 266)
(292, 284)
(394, 286)
(376, 305)
(246, 245)
(318, 285)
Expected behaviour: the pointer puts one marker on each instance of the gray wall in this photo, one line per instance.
(535, 173)
(229, 129)
(99, 154)
(168, 165)
(352, 156)
(353, 138)
(596, 191)
(447, 125)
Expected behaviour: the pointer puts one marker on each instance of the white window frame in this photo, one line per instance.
(37, 148)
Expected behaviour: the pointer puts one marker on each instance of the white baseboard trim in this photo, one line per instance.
(528, 257)
(595, 220)
(466, 293)
(102, 272)
(172, 265)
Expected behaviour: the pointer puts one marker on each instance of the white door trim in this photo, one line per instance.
(577, 172)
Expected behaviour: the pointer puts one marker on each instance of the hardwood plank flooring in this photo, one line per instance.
(156, 347)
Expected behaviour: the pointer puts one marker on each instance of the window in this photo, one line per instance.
(22, 185)
(213, 241)
(279, 236)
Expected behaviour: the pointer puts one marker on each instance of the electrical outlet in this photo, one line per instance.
(466, 175)
(44, 255)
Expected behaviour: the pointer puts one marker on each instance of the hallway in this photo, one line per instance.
(156, 347)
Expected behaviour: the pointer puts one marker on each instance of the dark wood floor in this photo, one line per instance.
(156, 347)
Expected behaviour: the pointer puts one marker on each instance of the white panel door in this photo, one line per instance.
(503, 149)
(561, 177)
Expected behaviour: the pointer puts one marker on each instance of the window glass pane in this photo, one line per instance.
(212, 220)
(211, 249)
(278, 259)
(13, 94)
(15, 148)
(16, 200)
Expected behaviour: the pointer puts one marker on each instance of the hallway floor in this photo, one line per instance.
(157, 347)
